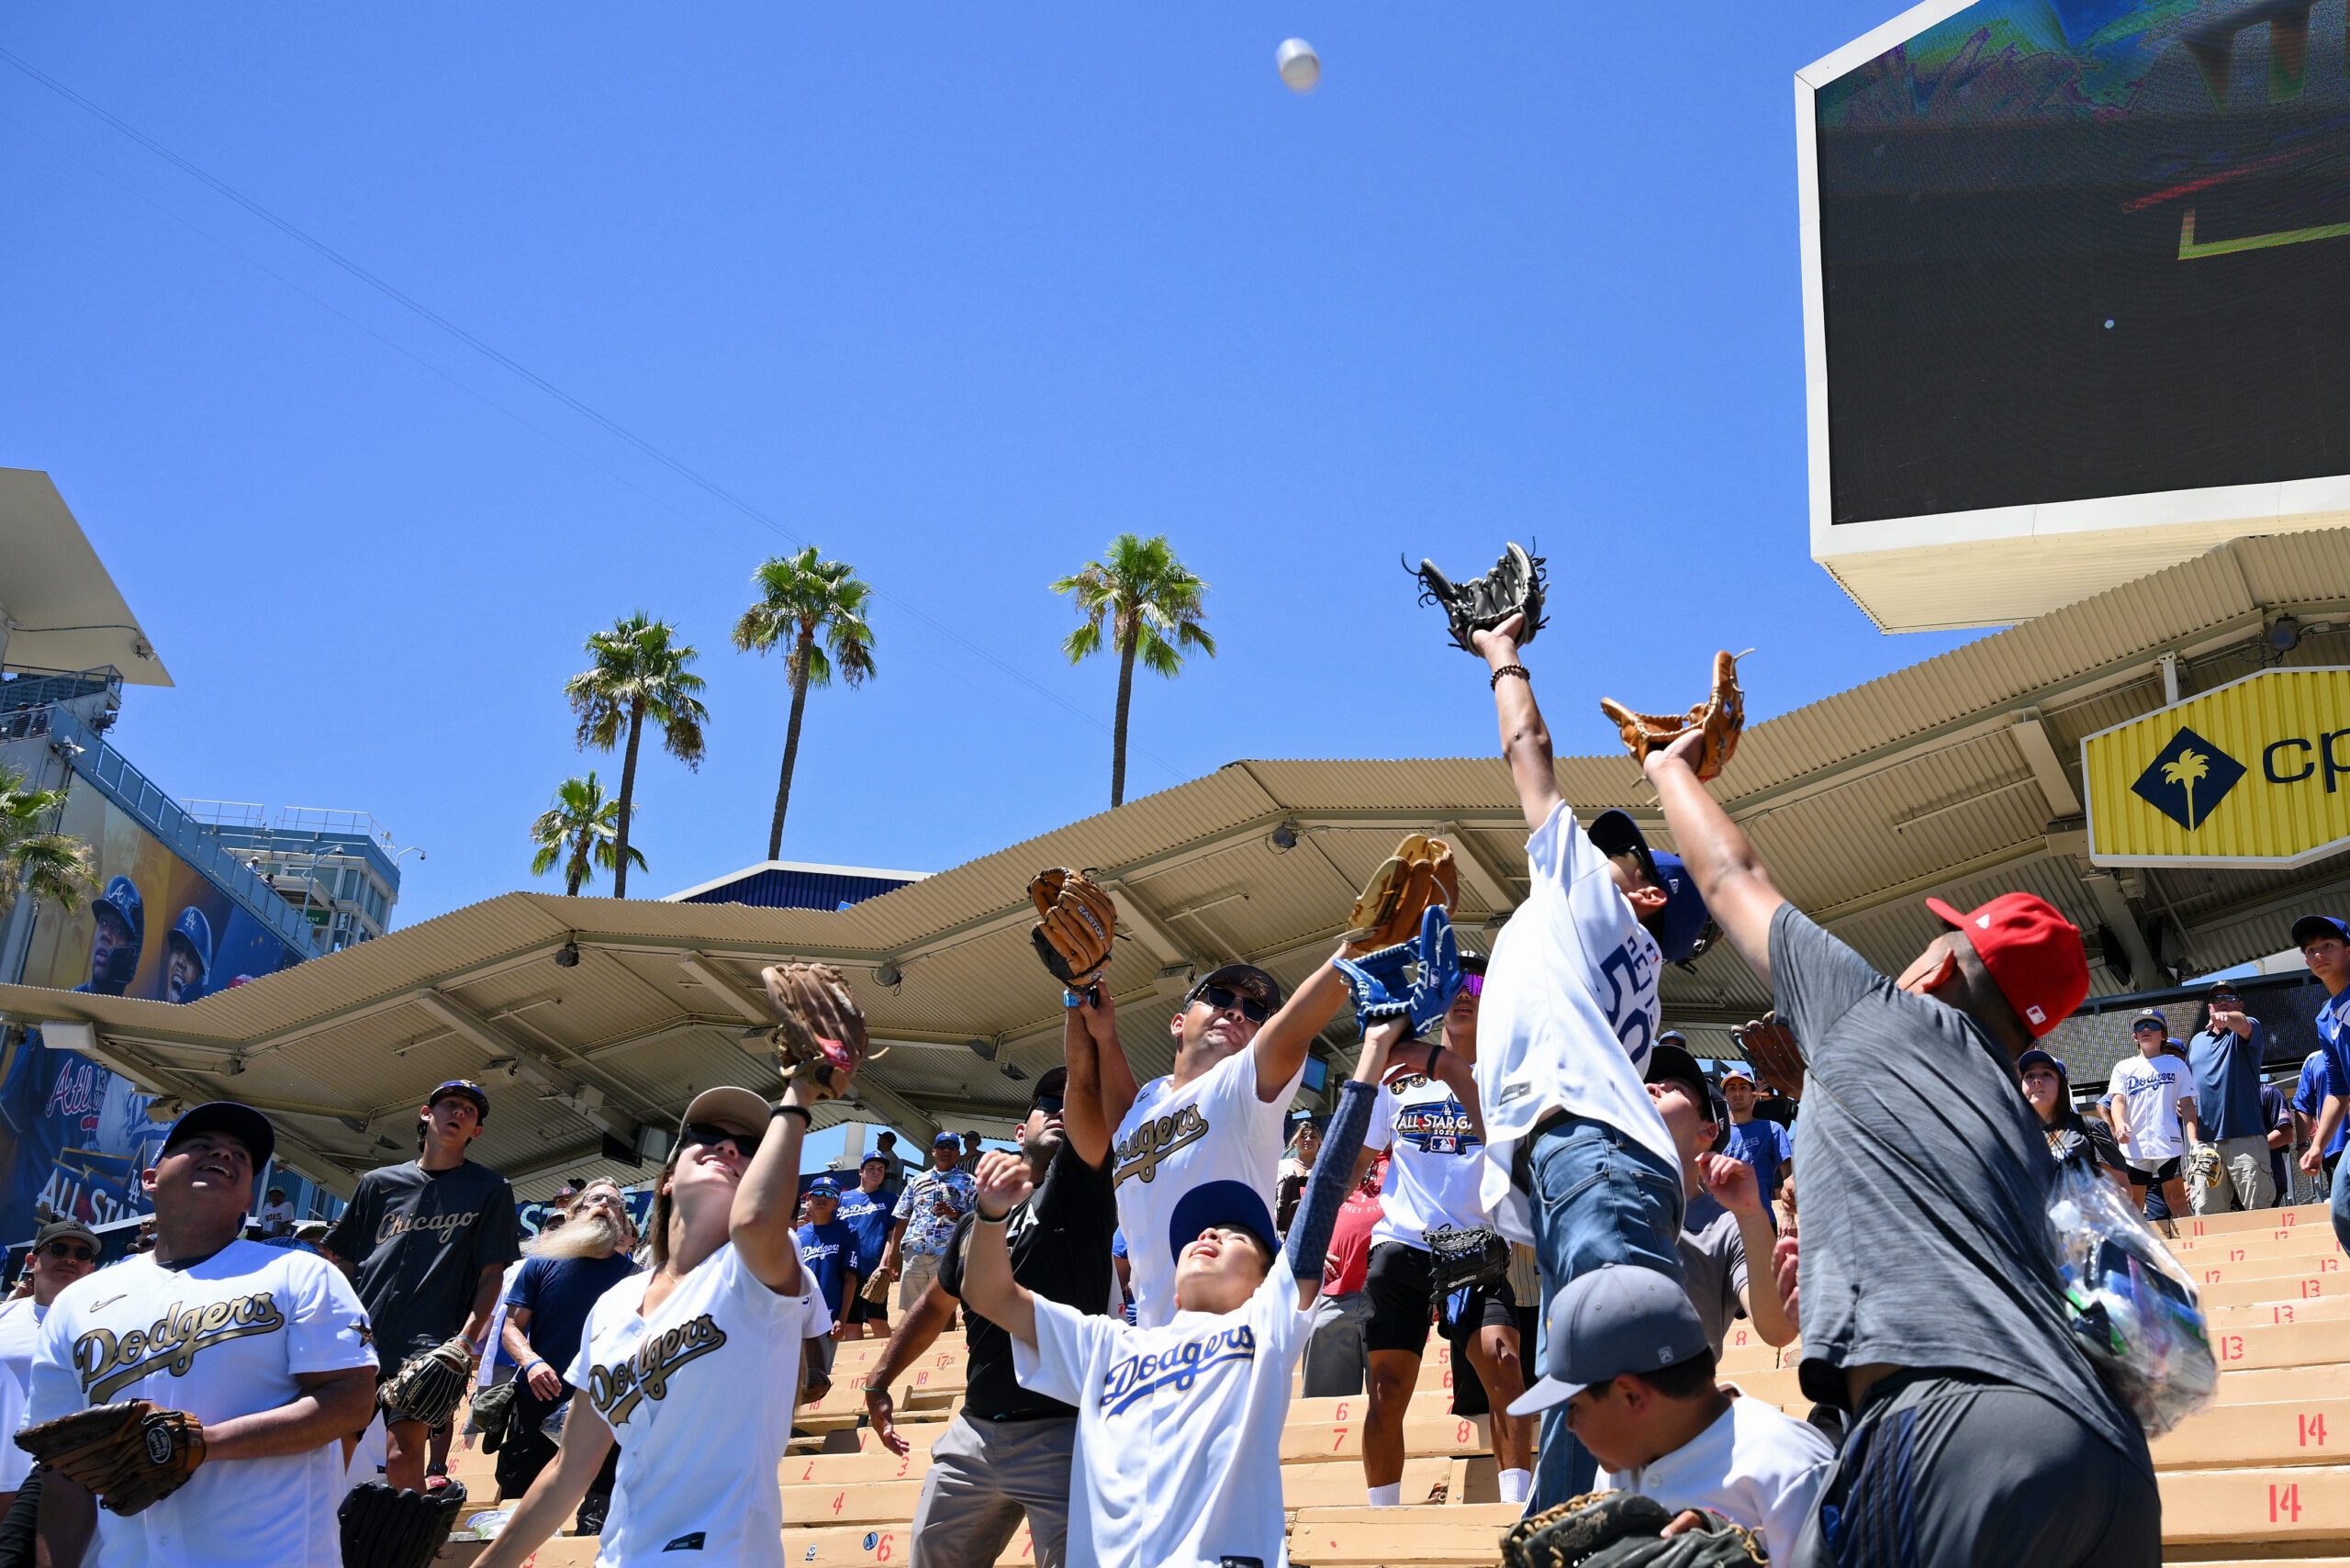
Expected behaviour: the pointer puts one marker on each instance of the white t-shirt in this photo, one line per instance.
(699, 1396)
(1179, 1428)
(223, 1337)
(275, 1214)
(2153, 1088)
(1753, 1466)
(19, 1330)
(1215, 1129)
(1433, 1178)
(487, 1373)
(1569, 1014)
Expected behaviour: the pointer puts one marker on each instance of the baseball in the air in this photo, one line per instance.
(1301, 68)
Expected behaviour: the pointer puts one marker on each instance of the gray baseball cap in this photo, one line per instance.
(1618, 1320)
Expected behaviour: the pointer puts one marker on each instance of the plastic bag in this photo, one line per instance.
(2130, 1303)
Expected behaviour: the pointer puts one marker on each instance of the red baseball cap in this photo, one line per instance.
(2035, 955)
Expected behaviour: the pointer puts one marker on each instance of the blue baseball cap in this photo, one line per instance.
(946, 1140)
(1234, 1204)
(1616, 1319)
(1684, 918)
(823, 1187)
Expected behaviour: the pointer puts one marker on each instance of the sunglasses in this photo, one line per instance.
(1472, 985)
(75, 1250)
(2141, 1028)
(709, 1137)
(1224, 998)
(1049, 1104)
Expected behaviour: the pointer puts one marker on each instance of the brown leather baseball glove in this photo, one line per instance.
(1076, 923)
(129, 1455)
(1387, 910)
(818, 1032)
(429, 1385)
(1721, 716)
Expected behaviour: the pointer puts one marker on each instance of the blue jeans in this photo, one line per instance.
(1599, 1196)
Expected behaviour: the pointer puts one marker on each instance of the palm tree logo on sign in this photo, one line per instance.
(2187, 780)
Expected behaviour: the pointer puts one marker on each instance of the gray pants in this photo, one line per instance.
(983, 1475)
(2246, 1182)
(1967, 1472)
(1334, 1352)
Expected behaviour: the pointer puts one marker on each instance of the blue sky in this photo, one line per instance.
(957, 296)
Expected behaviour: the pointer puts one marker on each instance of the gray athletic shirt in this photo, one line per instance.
(1712, 1266)
(1926, 1184)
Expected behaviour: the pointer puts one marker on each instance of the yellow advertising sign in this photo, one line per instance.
(2254, 773)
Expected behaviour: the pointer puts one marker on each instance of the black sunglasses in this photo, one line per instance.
(1224, 998)
(2142, 1025)
(709, 1137)
(80, 1254)
(1049, 1104)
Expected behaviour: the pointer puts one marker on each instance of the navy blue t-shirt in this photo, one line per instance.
(557, 1293)
(866, 1215)
(828, 1252)
(2227, 1081)
(1765, 1146)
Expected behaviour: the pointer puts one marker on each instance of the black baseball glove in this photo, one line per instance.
(1624, 1530)
(1514, 585)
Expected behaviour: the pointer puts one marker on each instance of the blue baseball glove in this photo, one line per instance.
(1415, 979)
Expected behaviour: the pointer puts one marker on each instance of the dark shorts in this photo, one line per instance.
(1398, 1283)
(2166, 1172)
(1958, 1469)
(862, 1311)
(1469, 1395)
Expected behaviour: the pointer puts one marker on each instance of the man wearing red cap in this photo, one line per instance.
(1930, 1306)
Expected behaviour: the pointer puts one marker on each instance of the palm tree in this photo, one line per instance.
(2190, 767)
(640, 672)
(54, 867)
(580, 830)
(1149, 601)
(818, 606)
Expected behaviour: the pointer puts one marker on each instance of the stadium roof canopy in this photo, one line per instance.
(1959, 776)
(58, 608)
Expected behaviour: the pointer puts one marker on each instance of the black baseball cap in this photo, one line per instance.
(57, 1229)
(240, 1122)
(1671, 1064)
(1247, 978)
(1052, 1084)
(1684, 918)
(2309, 928)
(464, 1089)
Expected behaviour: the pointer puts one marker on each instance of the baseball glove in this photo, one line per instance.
(1620, 1530)
(1387, 912)
(429, 1386)
(490, 1409)
(1721, 716)
(820, 1031)
(1514, 585)
(1076, 923)
(1415, 979)
(1460, 1256)
(128, 1455)
(387, 1529)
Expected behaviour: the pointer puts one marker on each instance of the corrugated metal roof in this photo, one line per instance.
(1862, 802)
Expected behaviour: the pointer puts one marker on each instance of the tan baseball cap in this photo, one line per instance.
(737, 1110)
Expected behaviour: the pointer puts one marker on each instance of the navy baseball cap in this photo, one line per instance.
(1245, 978)
(1616, 1319)
(2309, 928)
(464, 1089)
(245, 1123)
(823, 1187)
(2149, 1015)
(1234, 1204)
(2038, 1057)
(1684, 918)
(946, 1140)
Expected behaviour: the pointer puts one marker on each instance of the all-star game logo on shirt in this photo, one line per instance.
(1156, 1139)
(1435, 1127)
(617, 1390)
(108, 1363)
(1177, 1367)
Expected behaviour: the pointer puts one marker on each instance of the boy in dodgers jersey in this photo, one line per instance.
(1179, 1428)
(690, 1367)
(1240, 1054)
(1578, 1163)
(267, 1347)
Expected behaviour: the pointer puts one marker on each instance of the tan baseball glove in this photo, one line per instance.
(129, 1456)
(1076, 923)
(1388, 911)
(1721, 716)
(819, 1033)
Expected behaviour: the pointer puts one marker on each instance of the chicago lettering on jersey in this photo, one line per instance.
(617, 1390)
(402, 1224)
(1156, 1139)
(1176, 1367)
(107, 1365)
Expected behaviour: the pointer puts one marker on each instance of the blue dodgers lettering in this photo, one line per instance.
(1178, 1368)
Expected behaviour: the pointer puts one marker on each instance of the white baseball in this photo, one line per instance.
(1301, 68)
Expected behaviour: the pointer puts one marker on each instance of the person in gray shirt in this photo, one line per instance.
(1932, 1307)
(1724, 1214)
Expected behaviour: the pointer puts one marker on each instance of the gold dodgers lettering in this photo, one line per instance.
(1152, 1142)
(616, 1390)
(106, 1364)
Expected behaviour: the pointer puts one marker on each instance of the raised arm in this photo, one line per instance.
(1280, 1046)
(767, 1205)
(1735, 1186)
(1318, 1210)
(1084, 1115)
(1731, 876)
(1004, 1184)
(1526, 739)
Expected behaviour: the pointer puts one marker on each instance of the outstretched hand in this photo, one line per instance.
(1499, 645)
(1003, 1183)
(1771, 1046)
